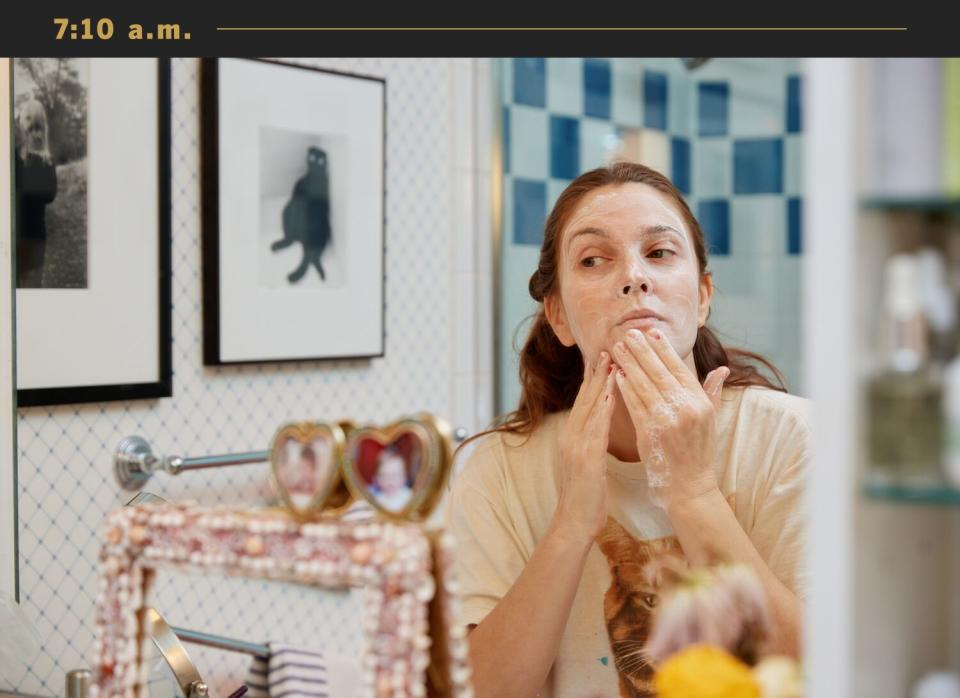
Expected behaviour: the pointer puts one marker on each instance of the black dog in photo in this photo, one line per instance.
(306, 217)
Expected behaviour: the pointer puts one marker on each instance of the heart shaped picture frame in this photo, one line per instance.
(399, 469)
(305, 460)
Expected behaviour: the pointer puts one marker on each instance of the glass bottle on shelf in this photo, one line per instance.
(904, 397)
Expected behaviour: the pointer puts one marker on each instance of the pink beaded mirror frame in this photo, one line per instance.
(412, 618)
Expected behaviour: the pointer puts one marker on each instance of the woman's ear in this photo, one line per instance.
(557, 317)
(706, 293)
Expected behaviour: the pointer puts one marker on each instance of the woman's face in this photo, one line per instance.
(626, 261)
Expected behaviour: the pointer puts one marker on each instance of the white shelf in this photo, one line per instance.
(884, 605)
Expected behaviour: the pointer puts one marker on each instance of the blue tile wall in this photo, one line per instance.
(714, 217)
(794, 104)
(794, 226)
(529, 211)
(758, 166)
(713, 108)
(680, 161)
(530, 81)
(655, 99)
(732, 130)
(596, 88)
(564, 147)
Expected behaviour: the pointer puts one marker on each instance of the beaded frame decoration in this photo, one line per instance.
(416, 642)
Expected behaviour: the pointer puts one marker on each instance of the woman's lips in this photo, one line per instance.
(644, 323)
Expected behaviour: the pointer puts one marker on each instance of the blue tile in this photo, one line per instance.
(680, 157)
(655, 99)
(529, 211)
(564, 147)
(713, 108)
(714, 218)
(506, 139)
(530, 81)
(596, 87)
(758, 166)
(794, 104)
(794, 226)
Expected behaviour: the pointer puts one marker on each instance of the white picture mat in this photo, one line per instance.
(107, 333)
(8, 562)
(258, 323)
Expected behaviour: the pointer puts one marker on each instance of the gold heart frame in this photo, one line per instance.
(424, 479)
(320, 488)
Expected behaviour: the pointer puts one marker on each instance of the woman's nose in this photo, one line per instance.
(636, 280)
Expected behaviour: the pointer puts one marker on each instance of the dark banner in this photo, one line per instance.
(502, 29)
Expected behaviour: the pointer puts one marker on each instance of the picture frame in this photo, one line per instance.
(294, 170)
(92, 224)
(9, 565)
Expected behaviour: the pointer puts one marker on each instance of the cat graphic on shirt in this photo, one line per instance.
(629, 602)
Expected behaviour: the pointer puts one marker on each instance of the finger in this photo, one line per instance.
(635, 374)
(591, 388)
(713, 384)
(652, 364)
(598, 423)
(658, 342)
(639, 413)
(636, 406)
(589, 371)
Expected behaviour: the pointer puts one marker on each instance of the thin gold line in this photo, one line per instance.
(562, 29)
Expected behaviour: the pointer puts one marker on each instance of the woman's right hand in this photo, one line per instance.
(582, 510)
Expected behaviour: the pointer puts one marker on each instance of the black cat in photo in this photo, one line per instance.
(306, 216)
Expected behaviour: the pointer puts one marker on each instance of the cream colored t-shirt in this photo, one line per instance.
(504, 498)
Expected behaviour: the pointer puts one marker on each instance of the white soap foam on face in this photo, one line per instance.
(685, 320)
(628, 215)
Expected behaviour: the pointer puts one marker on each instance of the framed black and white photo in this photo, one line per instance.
(293, 212)
(91, 199)
(9, 585)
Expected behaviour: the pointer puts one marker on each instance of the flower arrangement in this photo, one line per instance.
(710, 637)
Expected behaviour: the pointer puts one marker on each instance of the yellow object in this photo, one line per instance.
(704, 671)
(779, 677)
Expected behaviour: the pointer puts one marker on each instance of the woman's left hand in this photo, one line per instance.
(673, 415)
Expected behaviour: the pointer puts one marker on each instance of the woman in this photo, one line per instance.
(36, 185)
(637, 434)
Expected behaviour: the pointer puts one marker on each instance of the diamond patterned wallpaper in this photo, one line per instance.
(66, 483)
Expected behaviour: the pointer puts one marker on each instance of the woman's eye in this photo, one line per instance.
(589, 262)
(661, 253)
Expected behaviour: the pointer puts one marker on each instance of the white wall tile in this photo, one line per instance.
(464, 405)
(484, 337)
(598, 143)
(712, 168)
(793, 165)
(464, 115)
(529, 142)
(626, 84)
(464, 220)
(464, 323)
(565, 86)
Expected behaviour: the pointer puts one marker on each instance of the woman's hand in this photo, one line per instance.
(582, 509)
(673, 415)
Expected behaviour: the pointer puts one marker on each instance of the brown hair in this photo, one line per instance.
(551, 373)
